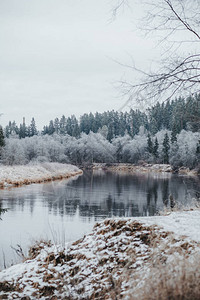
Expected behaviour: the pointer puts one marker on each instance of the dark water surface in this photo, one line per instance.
(66, 210)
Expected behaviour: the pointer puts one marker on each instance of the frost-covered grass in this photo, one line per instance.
(121, 258)
(35, 173)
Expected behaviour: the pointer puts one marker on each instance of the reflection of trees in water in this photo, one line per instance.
(152, 197)
(103, 195)
(2, 210)
(106, 195)
(165, 192)
(19, 198)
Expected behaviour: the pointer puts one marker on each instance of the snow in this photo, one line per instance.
(35, 173)
(91, 266)
(185, 223)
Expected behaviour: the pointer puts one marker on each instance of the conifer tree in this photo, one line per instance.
(63, 125)
(198, 152)
(166, 147)
(32, 128)
(173, 134)
(149, 144)
(2, 141)
(56, 125)
(23, 131)
(51, 127)
(155, 148)
(75, 131)
(45, 130)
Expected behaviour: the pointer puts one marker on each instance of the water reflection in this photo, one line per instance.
(103, 194)
(73, 206)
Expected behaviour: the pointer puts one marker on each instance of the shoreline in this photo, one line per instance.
(143, 168)
(18, 175)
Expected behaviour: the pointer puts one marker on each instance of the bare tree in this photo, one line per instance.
(177, 23)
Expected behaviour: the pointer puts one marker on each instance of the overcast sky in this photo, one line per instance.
(57, 57)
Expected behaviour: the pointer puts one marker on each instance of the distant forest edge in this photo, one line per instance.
(174, 116)
(165, 133)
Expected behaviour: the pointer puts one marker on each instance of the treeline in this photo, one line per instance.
(166, 133)
(175, 116)
(22, 131)
(183, 150)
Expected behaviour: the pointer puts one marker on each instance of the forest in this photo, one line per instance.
(165, 133)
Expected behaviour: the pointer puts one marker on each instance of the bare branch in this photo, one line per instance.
(184, 22)
(176, 74)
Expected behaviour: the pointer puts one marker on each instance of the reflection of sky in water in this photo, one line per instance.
(65, 210)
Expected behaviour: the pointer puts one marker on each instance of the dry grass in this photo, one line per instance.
(177, 280)
(171, 272)
(36, 248)
(143, 263)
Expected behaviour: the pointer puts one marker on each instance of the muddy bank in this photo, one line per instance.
(35, 173)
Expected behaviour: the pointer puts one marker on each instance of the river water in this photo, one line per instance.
(66, 210)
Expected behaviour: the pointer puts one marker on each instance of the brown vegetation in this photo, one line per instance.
(177, 280)
(119, 259)
(43, 179)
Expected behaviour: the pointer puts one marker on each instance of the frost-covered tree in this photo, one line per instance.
(119, 144)
(103, 131)
(135, 150)
(185, 154)
(13, 152)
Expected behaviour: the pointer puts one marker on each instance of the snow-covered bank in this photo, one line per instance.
(96, 266)
(35, 173)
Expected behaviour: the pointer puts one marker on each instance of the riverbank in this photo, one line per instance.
(144, 168)
(35, 173)
(117, 258)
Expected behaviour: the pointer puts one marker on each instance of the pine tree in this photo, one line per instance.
(149, 144)
(155, 148)
(74, 127)
(32, 128)
(166, 147)
(173, 134)
(63, 125)
(23, 131)
(45, 130)
(198, 152)
(2, 141)
(51, 127)
(57, 125)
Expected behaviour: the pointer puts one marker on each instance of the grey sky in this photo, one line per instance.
(56, 57)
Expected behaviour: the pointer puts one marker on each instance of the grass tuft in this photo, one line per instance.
(175, 280)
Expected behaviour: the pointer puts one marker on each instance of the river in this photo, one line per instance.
(66, 210)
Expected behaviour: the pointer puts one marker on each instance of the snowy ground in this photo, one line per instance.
(35, 173)
(95, 266)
